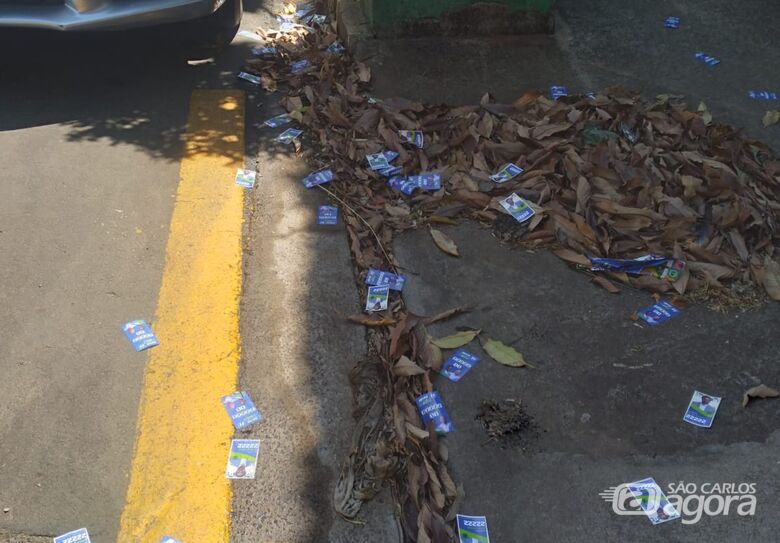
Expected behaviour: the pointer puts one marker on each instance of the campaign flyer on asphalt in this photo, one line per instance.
(327, 215)
(241, 410)
(140, 335)
(458, 365)
(377, 298)
(472, 529)
(169, 539)
(653, 501)
(432, 410)
(246, 178)
(701, 409)
(242, 461)
(658, 313)
(76, 536)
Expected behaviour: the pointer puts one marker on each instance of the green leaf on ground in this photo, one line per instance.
(772, 117)
(456, 340)
(504, 354)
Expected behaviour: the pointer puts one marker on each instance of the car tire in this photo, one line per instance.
(214, 33)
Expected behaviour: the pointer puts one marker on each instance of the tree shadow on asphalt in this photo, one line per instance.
(122, 87)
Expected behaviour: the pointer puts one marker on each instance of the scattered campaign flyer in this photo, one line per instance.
(472, 529)
(376, 277)
(288, 135)
(432, 410)
(327, 215)
(517, 207)
(706, 59)
(415, 137)
(76, 536)
(672, 22)
(241, 410)
(249, 35)
(169, 539)
(286, 26)
(246, 178)
(458, 365)
(317, 19)
(658, 313)
(653, 501)
(390, 171)
(762, 95)
(140, 335)
(379, 161)
(426, 181)
(263, 51)
(318, 178)
(557, 91)
(402, 184)
(335, 48)
(506, 173)
(299, 65)
(701, 409)
(279, 120)
(242, 461)
(252, 78)
(377, 298)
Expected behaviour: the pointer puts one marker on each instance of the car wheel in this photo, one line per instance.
(214, 33)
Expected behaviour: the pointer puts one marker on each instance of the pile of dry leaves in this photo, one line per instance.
(609, 176)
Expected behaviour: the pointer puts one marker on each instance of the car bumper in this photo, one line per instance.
(98, 15)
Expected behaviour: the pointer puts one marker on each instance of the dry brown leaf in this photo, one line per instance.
(406, 368)
(371, 320)
(606, 284)
(772, 278)
(572, 257)
(444, 242)
(760, 391)
(771, 117)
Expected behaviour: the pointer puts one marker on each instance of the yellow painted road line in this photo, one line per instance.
(177, 482)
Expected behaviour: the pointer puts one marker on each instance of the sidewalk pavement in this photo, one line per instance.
(607, 396)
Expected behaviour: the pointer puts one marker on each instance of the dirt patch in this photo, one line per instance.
(507, 423)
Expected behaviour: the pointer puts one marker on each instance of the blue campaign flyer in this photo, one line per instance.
(288, 135)
(701, 409)
(377, 298)
(658, 313)
(557, 91)
(402, 184)
(76, 536)
(299, 65)
(327, 215)
(279, 120)
(252, 78)
(169, 539)
(506, 173)
(432, 410)
(653, 501)
(140, 335)
(241, 410)
(672, 22)
(242, 461)
(517, 207)
(426, 181)
(458, 365)
(376, 277)
(415, 137)
(472, 529)
(246, 178)
(378, 162)
(263, 51)
(318, 178)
